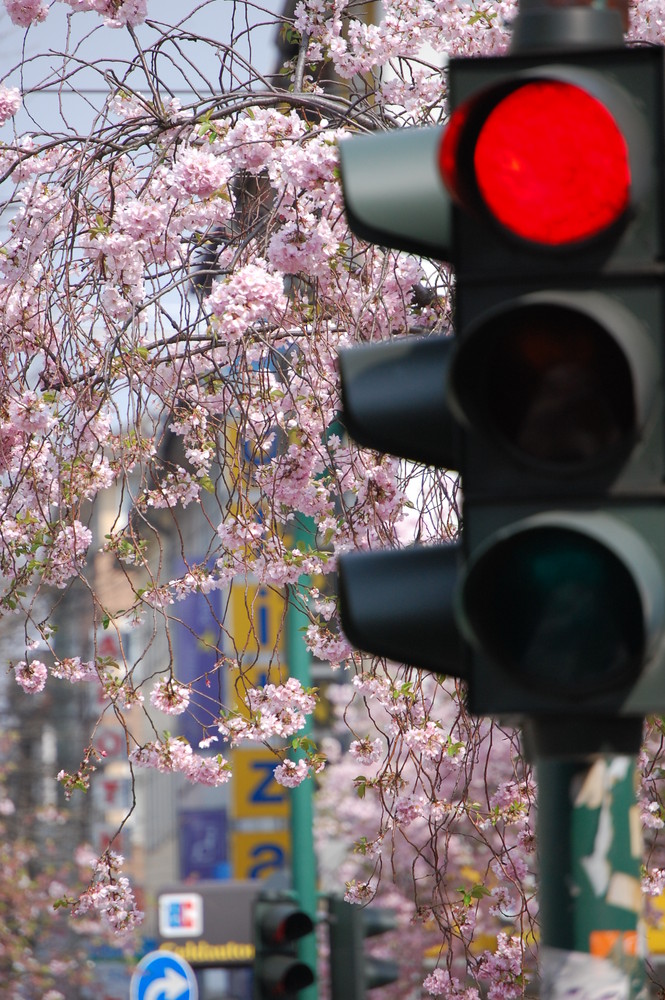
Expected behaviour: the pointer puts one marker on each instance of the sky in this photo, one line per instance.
(107, 48)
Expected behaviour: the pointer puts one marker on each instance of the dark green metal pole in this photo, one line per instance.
(590, 855)
(302, 805)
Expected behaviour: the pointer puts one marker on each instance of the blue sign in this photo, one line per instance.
(198, 640)
(203, 843)
(162, 975)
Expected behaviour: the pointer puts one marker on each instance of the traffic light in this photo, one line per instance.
(545, 190)
(352, 972)
(278, 926)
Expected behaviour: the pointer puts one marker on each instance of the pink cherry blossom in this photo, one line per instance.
(175, 755)
(276, 710)
(199, 172)
(26, 12)
(367, 751)
(252, 295)
(504, 969)
(169, 696)
(110, 896)
(116, 14)
(291, 774)
(441, 984)
(73, 669)
(31, 676)
(10, 102)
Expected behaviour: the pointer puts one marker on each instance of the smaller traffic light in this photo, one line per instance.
(352, 972)
(278, 925)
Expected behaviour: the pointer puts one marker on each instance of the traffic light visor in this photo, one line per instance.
(400, 603)
(381, 206)
(550, 159)
(565, 609)
(278, 925)
(394, 398)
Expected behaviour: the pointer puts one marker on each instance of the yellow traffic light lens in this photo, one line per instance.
(559, 388)
(550, 384)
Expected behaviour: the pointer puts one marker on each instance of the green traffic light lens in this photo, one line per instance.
(558, 610)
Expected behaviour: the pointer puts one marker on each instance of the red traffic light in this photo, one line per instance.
(552, 164)
(549, 159)
(281, 922)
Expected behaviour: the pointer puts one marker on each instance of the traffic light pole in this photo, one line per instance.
(590, 852)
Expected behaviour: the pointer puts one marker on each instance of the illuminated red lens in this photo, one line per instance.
(451, 168)
(552, 164)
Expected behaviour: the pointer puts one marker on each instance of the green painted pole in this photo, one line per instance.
(302, 798)
(590, 851)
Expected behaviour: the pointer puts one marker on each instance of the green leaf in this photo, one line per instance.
(360, 785)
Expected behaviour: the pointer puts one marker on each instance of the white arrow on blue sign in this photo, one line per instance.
(162, 975)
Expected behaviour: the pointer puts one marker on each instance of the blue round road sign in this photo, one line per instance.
(162, 975)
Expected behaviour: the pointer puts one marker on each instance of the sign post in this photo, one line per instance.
(303, 857)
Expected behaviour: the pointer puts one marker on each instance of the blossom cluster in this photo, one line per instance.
(275, 710)
(31, 676)
(291, 773)
(10, 102)
(503, 969)
(26, 12)
(174, 755)
(73, 669)
(440, 983)
(110, 897)
(169, 696)
(366, 751)
(116, 13)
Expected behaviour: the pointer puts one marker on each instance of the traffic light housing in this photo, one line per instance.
(352, 971)
(278, 925)
(547, 184)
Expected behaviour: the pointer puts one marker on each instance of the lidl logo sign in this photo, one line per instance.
(181, 915)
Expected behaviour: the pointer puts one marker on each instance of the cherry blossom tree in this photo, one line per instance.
(176, 280)
(40, 955)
